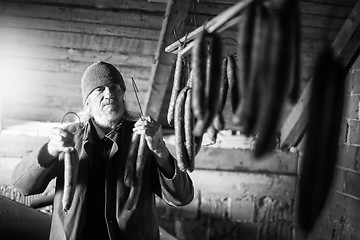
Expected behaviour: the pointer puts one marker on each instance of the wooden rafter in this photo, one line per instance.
(224, 20)
(295, 124)
(176, 12)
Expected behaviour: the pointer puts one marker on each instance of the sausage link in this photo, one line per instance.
(189, 126)
(323, 131)
(212, 83)
(248, 117)
(245, 39)
(140, 164)
(131, 160)
(274, 87)
(232, 77)
(199, 54)
(71, 166)
(181, 154)
(177, 86)
(212, 133)
(219, 121)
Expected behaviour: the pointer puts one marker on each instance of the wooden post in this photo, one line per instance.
(176, 12)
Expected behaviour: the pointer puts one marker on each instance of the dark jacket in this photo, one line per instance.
(29, 177)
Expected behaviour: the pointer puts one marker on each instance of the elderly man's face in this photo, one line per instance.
(106, 104)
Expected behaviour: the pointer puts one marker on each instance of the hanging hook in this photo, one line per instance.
(177, 37)
(204, 25)
(193, 18)
(72, 117)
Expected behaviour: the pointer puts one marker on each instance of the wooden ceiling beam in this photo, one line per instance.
(175, 15)
(153, 7)
(219, 23)
(294, 126)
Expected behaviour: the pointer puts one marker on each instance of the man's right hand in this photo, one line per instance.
(60, 141)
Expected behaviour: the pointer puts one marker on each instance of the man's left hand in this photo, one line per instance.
(154, 138)
(153, 133)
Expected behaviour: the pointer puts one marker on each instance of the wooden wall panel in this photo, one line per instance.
(135, 5)
(59, 79)
(310, 20)
(89, 28)
(51, 65)
(78, 41)
(86, 15)
(342, 3)
(34, 113)
(46, 46)
(307, 7)
(75, 55)
(242, 160)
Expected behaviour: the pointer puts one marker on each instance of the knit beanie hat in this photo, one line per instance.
(100, 74)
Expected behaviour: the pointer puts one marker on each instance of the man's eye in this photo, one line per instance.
(99, 90)
(115, 88)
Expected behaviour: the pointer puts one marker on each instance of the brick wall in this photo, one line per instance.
(341, 217)
(237, 197)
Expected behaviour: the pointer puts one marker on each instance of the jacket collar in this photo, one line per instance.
(90, 132)
(88, 135)
(100, 132)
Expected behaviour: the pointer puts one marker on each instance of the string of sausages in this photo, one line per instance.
(254, 78)
(269, 66)
(187, 144)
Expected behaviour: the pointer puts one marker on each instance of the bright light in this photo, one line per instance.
(14, 78)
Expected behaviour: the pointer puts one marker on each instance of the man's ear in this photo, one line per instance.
(87, 106)
(87, 102)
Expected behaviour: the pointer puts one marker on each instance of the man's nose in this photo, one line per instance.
(108, 92)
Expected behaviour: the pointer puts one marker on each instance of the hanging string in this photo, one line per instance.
(194, 13)
(177, 38)
(192, 19)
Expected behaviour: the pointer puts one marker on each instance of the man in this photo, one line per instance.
(102, 143)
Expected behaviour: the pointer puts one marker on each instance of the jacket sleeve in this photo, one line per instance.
(179, 190)
(30, 177)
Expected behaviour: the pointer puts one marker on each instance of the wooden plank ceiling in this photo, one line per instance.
(45, 46)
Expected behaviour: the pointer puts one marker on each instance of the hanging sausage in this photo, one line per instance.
(320, 154)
